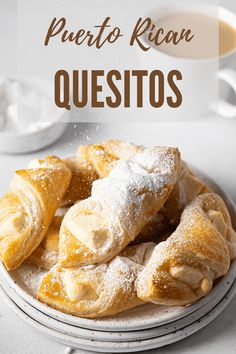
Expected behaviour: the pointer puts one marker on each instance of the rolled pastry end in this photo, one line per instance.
(186, 274)
(206, 285)
(77, 290)
(90, 229)
(191, 276)
(179, 285)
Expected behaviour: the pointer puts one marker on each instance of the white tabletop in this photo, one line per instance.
(210, 146)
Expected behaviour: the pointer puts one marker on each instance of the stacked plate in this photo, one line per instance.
(145, 327)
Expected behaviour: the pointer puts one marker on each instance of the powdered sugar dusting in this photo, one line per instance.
(197, 243)
(50, 257)
(133, 191)
(31, 276)
(157, 159)
(121, 274)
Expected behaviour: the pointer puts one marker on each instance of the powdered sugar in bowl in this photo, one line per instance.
(29, 119)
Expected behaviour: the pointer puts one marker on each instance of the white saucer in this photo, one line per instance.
(115, 336)
(123, 347)
(213, 299)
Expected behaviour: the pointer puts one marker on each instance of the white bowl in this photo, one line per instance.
(19, 143)
(24, 143)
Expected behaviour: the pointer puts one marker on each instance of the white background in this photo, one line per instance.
(210, 146)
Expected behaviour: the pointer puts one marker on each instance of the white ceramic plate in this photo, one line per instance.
(123, 347)
(143, 317)
(115, 336)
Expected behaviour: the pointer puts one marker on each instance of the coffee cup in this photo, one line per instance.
(202, 74)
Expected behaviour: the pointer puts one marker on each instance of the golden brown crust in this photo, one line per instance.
(98, 228)
(156, 230)
(96, 291)
(103, 156)
(183, 268)
(138, 196)
(27, 209)
(187, 187)
(46, 254)
(83, 176)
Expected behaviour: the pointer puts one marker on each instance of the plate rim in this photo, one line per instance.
(125, 346)
(114, 336)
(103, 324)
